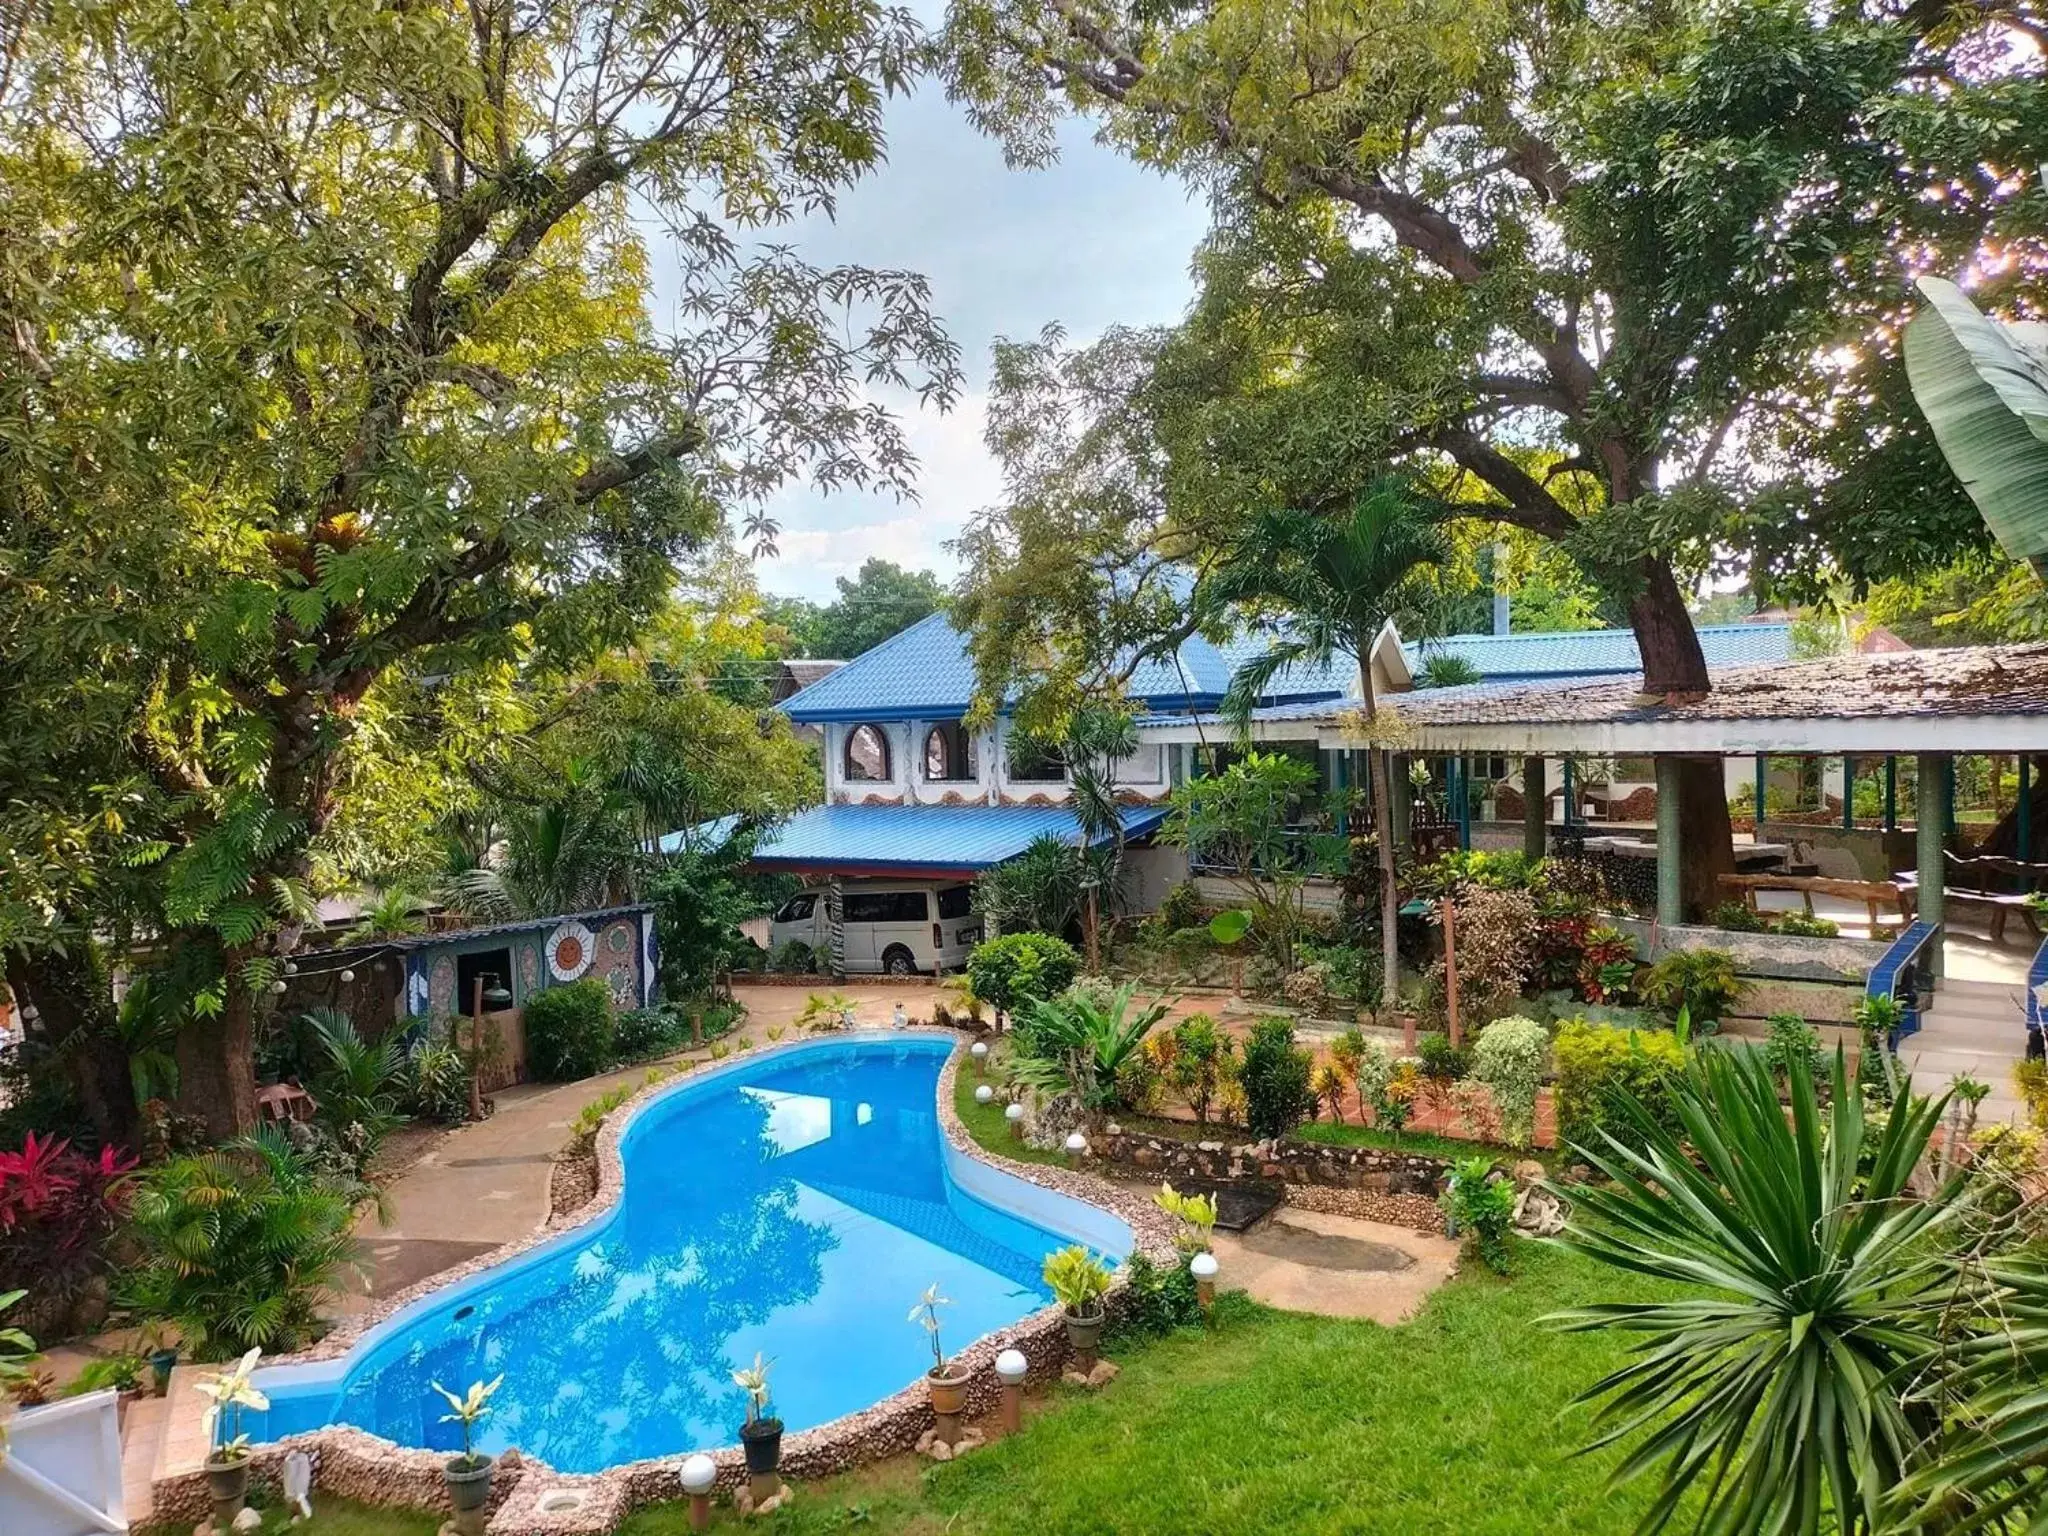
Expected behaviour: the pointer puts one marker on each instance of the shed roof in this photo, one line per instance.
(1962, 699)
(1594, 652)
(918, 839)
(411, 941)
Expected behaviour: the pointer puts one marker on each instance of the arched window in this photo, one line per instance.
(867, 755)
(948, 754)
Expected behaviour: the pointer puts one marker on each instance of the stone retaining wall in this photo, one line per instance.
(354, 1464)
(1378, 1170)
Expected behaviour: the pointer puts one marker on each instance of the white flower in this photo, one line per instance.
(231, 1389)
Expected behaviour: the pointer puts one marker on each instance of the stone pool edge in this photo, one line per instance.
(530, 1498)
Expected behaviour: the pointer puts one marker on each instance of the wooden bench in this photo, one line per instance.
(1996, 886)
(1872, 893)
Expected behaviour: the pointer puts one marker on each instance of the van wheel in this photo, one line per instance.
(898, 961)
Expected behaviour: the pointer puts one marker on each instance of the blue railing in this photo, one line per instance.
(1898, 968)
(2037, 977)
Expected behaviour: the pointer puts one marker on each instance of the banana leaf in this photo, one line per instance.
(1983, 386)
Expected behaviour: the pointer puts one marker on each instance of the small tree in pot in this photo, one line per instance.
(468, 1476)
(227, 1462)
(948, 1383)
(761, 1435)
(1078, 1281)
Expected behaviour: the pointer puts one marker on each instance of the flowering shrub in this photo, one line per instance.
(58, 1207)
(1496, 949)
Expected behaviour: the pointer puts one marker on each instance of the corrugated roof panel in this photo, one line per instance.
(910, 838)
(1595, 652)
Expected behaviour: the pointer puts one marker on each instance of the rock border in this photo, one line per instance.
(358, 1465)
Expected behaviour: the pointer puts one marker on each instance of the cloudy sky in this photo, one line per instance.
(1090, 242)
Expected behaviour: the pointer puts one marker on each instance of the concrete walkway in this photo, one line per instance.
(1337, 1266)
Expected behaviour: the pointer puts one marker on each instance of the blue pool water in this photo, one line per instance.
(796, 1205)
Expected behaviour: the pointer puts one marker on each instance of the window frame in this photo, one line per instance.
(881, 739)
(963, 770)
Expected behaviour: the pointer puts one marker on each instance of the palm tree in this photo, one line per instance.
(1780, 1393)
(579, 850)
(1340, 577)
(1096, 740)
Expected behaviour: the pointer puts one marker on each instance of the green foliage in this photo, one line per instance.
(1235, 824)
(1596, 1065)
(239, 1246)
(1015, 970)
(1780, 1394)
(1438, 1059)
(1158, 1299)
(1276, 1079)
(1084, 1046)
(17, 1349)
(879, 600)
(1462, 870)
(1703, 982)
(1443, 671)
(1508, 1057)
(1038, 890)
(1203, 1058)
(435, 1082)
(1793, 1047)
(359, 1086)
(385, 436)
(793, 958)
(1078, 1280)
(638, 1033)
(1481, 1209)
(570, 1031)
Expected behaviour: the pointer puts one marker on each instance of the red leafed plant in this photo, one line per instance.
(58, 1207)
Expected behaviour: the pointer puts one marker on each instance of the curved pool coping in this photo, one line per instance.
(359, 1465)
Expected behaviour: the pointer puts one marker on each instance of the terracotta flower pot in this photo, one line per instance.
(948, 1386)
(468, 1482)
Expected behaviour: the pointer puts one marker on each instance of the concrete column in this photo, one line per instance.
(1670, 902)
(1933, 786)
(1535, 806)
(1460, 775)
(2026, 807)
(1571, 793)
(1762, 771)
(1848, 794)
(1891, 794)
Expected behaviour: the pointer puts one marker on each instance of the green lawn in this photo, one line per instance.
(985, 1122)
(1271, 1424)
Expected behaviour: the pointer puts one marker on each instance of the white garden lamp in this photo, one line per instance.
(984, 1094)
(979, 1051)
(1011, 1369)
(898, 1017)
(1077, 1146)
(1015, 1115)
(348, 976)
(1203, 1267)
(699, 1476)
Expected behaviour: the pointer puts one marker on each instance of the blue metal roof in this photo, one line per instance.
(1596, 652)
(913, 839)
(925, 673)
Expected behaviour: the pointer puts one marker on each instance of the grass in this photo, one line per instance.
(985, 1122)
(1267, 1424)
(1275, 1424)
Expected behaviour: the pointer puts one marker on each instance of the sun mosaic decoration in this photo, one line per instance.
(571, 948)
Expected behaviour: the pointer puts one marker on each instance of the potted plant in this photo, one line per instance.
(468, 1476)
(227, 1463)
(1078, 1281)
(948, 1383)
(162, 1356)
(761, 1435)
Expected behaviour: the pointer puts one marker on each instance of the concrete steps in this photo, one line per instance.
(1974, 1029)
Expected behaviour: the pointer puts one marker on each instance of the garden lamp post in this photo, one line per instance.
(1011, 1369)
(699, 1476)
(1015, 1115)
(979, 1052)
(984, 1094)
(1203, 1267)
(1077, 1147)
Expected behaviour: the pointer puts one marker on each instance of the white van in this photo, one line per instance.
(897, 930)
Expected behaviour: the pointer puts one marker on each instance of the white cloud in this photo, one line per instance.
(824, 538)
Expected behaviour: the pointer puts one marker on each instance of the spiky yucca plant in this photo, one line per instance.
(1775, 1398)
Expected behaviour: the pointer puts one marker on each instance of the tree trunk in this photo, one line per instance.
(1390, 896)
(75, 1008)
(216, 1064)
(1674, 663)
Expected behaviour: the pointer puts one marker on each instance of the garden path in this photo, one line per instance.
(1335, 1266)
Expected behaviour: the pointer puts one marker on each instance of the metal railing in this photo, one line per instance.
(1897, 974)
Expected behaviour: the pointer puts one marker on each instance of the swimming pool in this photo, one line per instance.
(795, 1202)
